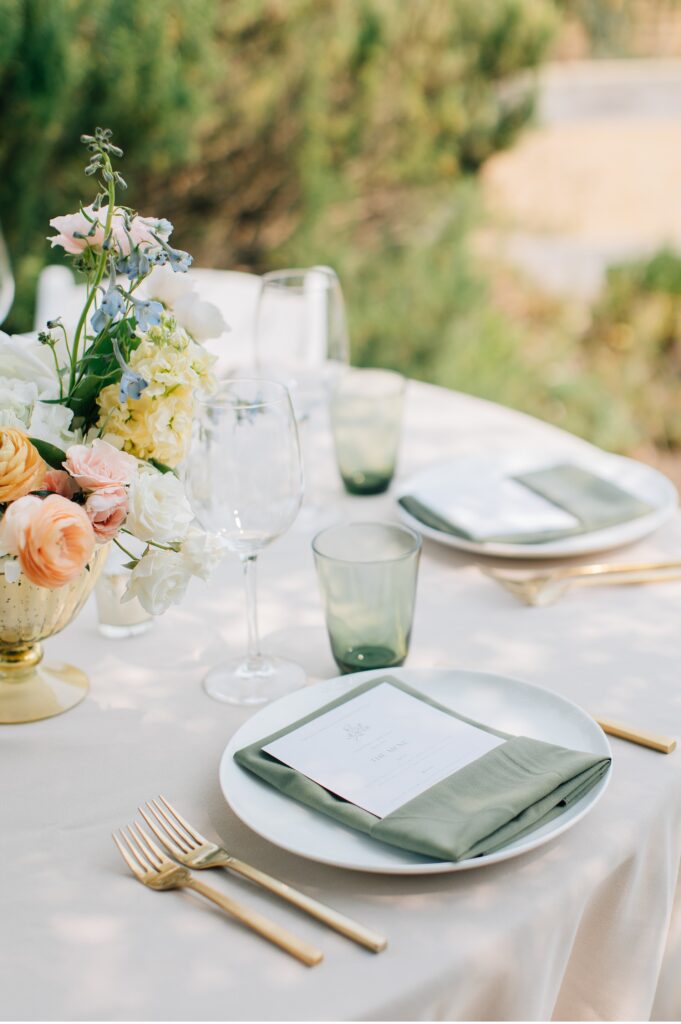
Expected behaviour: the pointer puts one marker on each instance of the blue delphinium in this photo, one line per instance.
(132, 384)
(112, 305)
(147, 312)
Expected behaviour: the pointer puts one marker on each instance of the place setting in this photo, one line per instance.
(129, 467)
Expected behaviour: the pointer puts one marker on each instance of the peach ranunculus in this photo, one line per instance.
(53, 538)
(106, 508)
(59, 482)
(99, 465)
(14, 523)
(21, 468)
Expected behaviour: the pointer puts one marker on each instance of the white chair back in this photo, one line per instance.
(234, 293)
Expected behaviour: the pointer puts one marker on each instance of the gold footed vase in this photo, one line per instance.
(29, 688)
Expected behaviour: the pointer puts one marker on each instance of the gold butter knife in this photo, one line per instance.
(655, 741)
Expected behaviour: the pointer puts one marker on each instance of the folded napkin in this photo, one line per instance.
(509, 791)
(593, 503)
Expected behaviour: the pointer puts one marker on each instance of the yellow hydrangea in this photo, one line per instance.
(158, 424)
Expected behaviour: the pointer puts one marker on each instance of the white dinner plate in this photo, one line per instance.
(640, 480)
(506, 704)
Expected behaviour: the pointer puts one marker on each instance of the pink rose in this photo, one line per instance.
(72, 225)
(106, 508)
(141, 232)
(143, 229)
(59, 482)
(53, 538)
(100, 465)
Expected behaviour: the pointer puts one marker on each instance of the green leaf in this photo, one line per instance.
(161, 466)
(49, 453)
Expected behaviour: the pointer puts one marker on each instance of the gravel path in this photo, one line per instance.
(598, 179)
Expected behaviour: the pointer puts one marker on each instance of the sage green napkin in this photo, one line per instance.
(509, 791)
(594, 501)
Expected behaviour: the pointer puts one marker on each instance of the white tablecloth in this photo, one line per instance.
(586, 927)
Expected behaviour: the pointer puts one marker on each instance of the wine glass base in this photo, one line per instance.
(233, 682)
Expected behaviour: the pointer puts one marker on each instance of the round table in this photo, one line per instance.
(588, 926)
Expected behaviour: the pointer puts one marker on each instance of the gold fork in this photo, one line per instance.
(189, 847)
(548, 585)
(151, 867)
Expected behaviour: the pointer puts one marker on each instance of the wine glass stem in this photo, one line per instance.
(254, 660)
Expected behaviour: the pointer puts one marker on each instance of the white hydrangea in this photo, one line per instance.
(28, 379)
(52, 423)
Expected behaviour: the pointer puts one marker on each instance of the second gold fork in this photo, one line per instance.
(190, 848)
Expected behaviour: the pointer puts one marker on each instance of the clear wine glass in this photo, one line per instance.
(301, 339)
(301, 334)
(6, 281)
(244, 479)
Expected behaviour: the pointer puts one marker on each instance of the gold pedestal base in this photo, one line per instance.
(42, 691)
(30, 690)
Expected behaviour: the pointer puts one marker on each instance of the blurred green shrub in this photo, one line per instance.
(335, 101)
(634, 343)
(145, 70)
(246, 121)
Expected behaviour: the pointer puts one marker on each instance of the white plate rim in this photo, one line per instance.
(227, 764)
(571, 547)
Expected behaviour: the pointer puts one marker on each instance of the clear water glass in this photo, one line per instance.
(367, 575)
(244, 479)
(366, 422)
(118, 619)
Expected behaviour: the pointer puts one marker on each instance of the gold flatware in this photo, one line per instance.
(189, 847)
(655, 741)
(544, 587)
(150, 866)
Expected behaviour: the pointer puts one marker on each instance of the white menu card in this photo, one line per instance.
(382, 748)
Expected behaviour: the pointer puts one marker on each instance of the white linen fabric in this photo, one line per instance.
(587, 927)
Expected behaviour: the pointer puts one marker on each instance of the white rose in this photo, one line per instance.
(201, 319)
(201, 552)
(166, 286)
(158, 508)
(158, 580)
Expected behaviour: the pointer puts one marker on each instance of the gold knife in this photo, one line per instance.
(655, 741)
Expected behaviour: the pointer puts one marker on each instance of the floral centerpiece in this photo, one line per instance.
(95, 421)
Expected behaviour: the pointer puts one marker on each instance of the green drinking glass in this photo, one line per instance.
(367, 575)
(366, 422)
